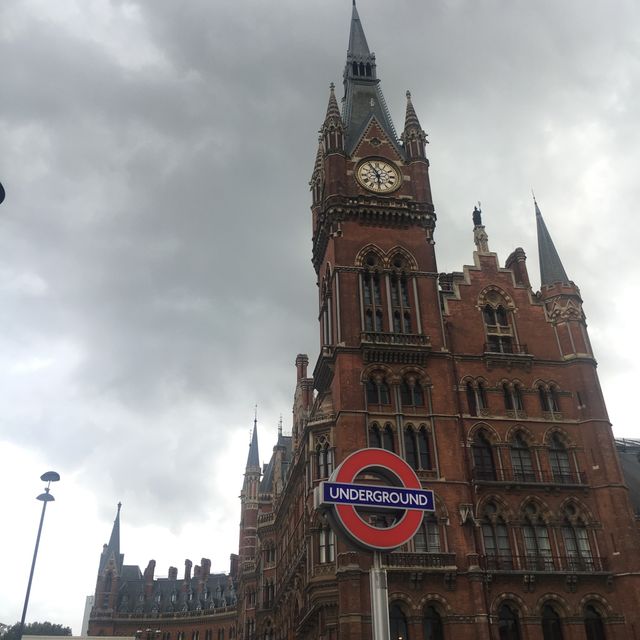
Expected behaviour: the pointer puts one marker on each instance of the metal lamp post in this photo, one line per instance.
(48, 477)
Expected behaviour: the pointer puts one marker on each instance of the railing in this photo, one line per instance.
(266, 518)
(544, 563)
(529, 477)
(422, 560)
(395, 339)
(505, 348)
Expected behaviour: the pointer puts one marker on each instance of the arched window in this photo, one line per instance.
(495, 537)
(593, 625)
(377, 390)
(559, 461)
(411, 394)
(387, 438)
(400, 302)
(512, 395)
(410, 448)
(432, 624)
(476, 398)
(375, 436)
(483, 464)
(521, 460)
(551, 623)
(417, 447)
(536, 541)
(498, 329)
(427, 539)
(576, 541)
(372, 295)
(549, 399)
(398, 623)
(361, 69)
(508, 623)
(324, 460)
(354, 68)
(368, 70)
(327, 545)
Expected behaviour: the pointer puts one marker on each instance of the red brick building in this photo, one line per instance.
(486, 387)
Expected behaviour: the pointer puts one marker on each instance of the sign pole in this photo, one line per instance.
(379, 599)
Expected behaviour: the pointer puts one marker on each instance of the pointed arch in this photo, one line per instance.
(558, 601)
(370, 249)
(407, 258)
(491, 434)
(518, 428)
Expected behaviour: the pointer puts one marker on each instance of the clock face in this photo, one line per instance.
(378, 175)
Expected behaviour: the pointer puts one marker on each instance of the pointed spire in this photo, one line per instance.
(333, 110)
(362, 90)
(411, 119)
(551, 269)
(253, 459)
(332, 132)
(358, 46)
(413, 137)
(112, 550)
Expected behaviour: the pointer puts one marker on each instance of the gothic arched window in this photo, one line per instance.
(387, 438)
(508, 623)
(593, 624)
(400, 301)
(498, 329)
(432, 624)
(324, 460)
(551, 623)
(398, 623)
(495, 537)
(576, 541)
(417, 447)
(559, 461)
(372, 294)
(427, 539)
(537, 544)
(377, 390)
(411, 394)
(476, 397)
(484, 467)
(521, 460)
(375, 436)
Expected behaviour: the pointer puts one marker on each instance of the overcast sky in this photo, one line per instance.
(155, 274)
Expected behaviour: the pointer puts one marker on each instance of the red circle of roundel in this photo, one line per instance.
(361, 532)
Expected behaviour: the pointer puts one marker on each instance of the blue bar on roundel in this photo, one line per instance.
(366, 495)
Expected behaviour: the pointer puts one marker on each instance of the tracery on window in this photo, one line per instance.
(400, 301)
(417, 445)
(500, 338)
(537, 544)
(548, 397)
(559, 461)
(575, 536)
(495, 537)
(521, 459)
(512, 395)
(324, 458)
(476, 397)
(411, 393)
(377, 389)
(372, 294)
(382, 438)
(484, 466)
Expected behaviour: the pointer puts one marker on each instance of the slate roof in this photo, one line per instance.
(551, 269)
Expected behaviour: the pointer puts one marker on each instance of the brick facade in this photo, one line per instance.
(488, 388)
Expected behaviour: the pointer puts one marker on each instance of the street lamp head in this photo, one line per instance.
(45, 497)
(50, 476)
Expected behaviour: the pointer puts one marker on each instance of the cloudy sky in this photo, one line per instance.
(155, 274)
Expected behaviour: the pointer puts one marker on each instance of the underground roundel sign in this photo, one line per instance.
(403, 494)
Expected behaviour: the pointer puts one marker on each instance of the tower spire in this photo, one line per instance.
(332, 132)
(551, 268)
(112, 549)
(413, 137)
(361, 88)
(253, 458)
